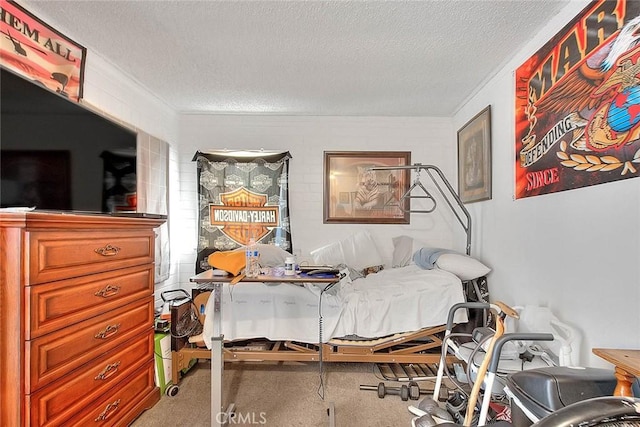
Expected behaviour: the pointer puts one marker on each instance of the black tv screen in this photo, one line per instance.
(56, 154)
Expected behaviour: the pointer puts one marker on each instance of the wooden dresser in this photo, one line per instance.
(76, 312)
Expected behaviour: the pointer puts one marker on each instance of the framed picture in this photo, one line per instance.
(354, 192)
(40, 53)
(474, 158)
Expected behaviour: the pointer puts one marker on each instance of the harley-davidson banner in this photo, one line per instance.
(241, 198)
(578, 103)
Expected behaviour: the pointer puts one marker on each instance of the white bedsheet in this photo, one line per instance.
(391, 301)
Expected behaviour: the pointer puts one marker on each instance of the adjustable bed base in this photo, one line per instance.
(421, 346)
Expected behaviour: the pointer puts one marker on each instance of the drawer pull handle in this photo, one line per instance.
(108, 410)
(108, 331)
(108, 371)
(108, 250)
(108, 291)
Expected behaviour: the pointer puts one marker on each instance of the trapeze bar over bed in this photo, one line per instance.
(439, 180)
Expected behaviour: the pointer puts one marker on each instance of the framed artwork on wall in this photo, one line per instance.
(474, 158)
(356, 193)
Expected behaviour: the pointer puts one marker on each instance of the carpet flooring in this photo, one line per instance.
(283, 394)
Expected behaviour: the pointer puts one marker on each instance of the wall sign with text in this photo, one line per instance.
(37, 52)
(578, 103)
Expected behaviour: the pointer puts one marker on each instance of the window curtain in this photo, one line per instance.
(153, 194)
(241, 197)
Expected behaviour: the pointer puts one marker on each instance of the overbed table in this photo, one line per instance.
(219, 415)
(627, 363)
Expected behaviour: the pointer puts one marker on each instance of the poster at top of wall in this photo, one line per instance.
(578, 103)
(34, 50)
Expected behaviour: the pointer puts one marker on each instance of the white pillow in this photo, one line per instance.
(358, 251)
(463, 266)
(403, 249)
(271, 255)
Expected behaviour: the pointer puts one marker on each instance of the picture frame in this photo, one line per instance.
(474, 158)
(355, 193)
(40, 53)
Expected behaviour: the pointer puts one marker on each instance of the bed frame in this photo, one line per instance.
(418, 347)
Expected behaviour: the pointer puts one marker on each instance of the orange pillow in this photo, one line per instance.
(232, 262)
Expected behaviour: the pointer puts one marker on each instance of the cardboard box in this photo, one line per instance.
(162, 350)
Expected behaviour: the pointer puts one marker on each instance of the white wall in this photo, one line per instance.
(577, 251)
(108, 90)
(430, 141)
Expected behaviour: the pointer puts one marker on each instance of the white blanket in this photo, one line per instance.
(391, 301)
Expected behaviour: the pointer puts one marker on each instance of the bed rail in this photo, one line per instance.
(441, 183)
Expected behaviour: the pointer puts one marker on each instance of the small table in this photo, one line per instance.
(220, 416)
(627, 363)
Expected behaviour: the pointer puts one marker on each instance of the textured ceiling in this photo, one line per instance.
(393, 58)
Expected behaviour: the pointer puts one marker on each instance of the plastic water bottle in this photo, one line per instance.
(252, 268)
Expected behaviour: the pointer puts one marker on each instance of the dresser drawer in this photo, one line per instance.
(62, 399)
(53, 355)
(118, 404)
(58, 304)
(57, 255)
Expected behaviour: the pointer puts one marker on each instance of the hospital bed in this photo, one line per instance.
(297, 303)
(394, 316)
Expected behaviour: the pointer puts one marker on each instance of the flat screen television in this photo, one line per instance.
(55, 154)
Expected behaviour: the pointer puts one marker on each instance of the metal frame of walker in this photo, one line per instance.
(491, 363)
